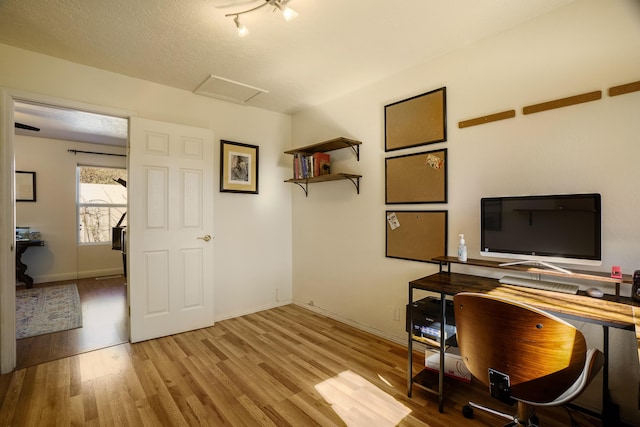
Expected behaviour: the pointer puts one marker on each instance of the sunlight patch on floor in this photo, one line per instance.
(107, 361)
(360, 403)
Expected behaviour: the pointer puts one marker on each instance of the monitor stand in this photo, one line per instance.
(545, 264)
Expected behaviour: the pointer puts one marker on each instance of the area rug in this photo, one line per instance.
(49, 309)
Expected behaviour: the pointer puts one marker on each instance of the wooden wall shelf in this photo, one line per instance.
(330, 145)
(321, 147)
(304, 182)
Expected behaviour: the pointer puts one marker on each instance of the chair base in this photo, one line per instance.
(525, 417)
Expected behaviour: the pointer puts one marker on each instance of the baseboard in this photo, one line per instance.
(251, 311)
(46, 278)
(103, 272)
(402, 340)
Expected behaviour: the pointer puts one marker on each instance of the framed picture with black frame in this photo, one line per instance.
(25, 186)
(419, 120)
(416, 178)
(416, 235)
(238, 167)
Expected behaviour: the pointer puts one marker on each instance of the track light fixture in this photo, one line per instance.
(287, 13)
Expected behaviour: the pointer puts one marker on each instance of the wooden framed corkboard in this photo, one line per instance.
(419, 120)
(416, 178)
(416, 235)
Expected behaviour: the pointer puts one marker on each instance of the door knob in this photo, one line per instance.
(206, 237)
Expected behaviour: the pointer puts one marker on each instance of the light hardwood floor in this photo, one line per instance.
(281, 367)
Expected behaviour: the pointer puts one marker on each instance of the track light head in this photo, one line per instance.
(287, 13)
(242, 30)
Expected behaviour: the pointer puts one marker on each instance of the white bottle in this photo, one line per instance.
(462, 250)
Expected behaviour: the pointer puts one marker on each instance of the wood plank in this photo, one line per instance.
(487, 119)
(563, 102)
(623, 89)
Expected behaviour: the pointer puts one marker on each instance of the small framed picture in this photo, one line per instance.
(238, 167)
(25, 186)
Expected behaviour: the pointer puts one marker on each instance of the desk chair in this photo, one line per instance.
(523, 354)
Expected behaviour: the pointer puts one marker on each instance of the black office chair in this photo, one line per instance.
(523, 354)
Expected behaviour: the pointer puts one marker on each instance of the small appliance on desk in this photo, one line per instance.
(426, 315)
(23, 234)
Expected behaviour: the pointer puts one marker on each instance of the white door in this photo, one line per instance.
(170, 227)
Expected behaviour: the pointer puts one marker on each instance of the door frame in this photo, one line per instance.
(7, 207)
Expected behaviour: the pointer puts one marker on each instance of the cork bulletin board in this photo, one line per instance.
(416, 178)
(419, 120)
(416, 235)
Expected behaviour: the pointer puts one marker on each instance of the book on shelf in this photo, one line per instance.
(321, 164)
(309, 166)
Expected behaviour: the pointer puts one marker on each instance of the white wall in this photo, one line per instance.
(53, 213)
(253, 230)
(339, 237)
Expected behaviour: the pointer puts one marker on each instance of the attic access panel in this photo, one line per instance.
(228, 90)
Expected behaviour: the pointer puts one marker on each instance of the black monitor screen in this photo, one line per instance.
(565, 226)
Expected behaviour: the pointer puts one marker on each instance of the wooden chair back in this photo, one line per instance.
(542, 354)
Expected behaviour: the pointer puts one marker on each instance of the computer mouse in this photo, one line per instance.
(594, 292)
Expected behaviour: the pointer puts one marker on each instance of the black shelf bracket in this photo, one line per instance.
(356, 183)
(356, 150)
(304, 187)
(304, 183)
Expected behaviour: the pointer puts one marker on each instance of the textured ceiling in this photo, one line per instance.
(72, 125)
(332, 48)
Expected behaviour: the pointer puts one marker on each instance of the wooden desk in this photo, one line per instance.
(592, 276)
(612, 311)
(21, 268)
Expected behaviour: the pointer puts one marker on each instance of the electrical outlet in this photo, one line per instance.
(396, 313)
(311, 303)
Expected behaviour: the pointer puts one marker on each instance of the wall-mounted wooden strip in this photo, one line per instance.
(622, 89)
(564, 102)
(487, 119)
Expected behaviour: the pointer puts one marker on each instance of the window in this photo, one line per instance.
(102, 202)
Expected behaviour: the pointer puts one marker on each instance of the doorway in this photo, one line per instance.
(63, 139)
(185, 300)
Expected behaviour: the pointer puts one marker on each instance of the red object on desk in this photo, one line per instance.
(616, 272)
